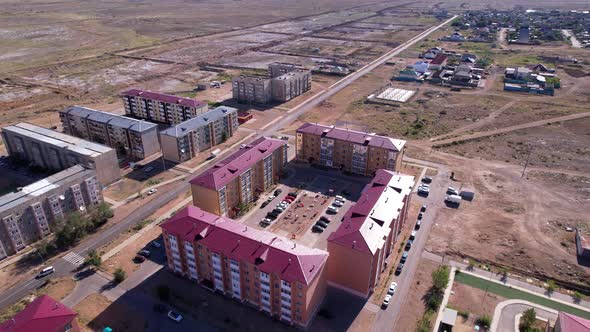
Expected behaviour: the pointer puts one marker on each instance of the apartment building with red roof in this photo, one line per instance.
(348, 150)
(571, 323)
(368, 232)
(161, 108)
(279, 277)
(43, 314)
(238, 179)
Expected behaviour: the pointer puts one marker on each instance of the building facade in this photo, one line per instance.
(55, 151)
(281, 278)
(28, 215)
(184, 141)
(238, 179)
(285, 82)
(348, 150)
(161, 108)
(368, 233)
(129, 137)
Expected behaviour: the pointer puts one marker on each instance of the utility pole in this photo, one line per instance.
(527, 161)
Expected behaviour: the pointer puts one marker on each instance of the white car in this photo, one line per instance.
(332, 209)
(452, 191)
(340, 198)
(148, 169)
(175, 316)
(392, 288)
(337, 204)
(45, 272)
(386, 301)
(152, 191)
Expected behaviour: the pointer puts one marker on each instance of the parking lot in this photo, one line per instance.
(316, 190)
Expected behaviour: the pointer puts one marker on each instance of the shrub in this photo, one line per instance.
(484, 321)
(528, 319)
(93, 259)
(577, 296)
(550, 287)
(440, 277)
(119, 275)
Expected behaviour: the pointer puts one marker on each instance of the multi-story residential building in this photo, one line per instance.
(286, 82)
(238, 179)
(368, 232)
(184, 141)
(348, 150)
(29, 214)
(279, 277)
(161, 108)
(55, 151)
(43, 314)
(129, 137)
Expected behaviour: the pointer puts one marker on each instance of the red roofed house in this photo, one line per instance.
(571, 323)
(439, 61)
(44, 314)
(349, 150)
(368, 232)
(239, 178)
(162, 108)
(277, 276)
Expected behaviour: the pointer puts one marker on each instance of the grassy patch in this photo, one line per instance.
(511, 293)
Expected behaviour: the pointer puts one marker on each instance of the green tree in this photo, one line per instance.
(484, 321)
(93, 259)
(471, 265)
(528, 319)
(551, 286)
(440, 278)
(577, 296)
(119, 275)
(224, 136)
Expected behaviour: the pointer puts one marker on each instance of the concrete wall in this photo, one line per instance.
(170, 149)
(205, 199)
(349, 268)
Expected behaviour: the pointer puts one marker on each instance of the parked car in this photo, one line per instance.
(423, 208)
(152, 191)
(139, 259)
(413, 235)
(404, 257)
(321, 223)
(271, 216)
(292, 194)
(345, 192)
(392, 288)
(263, 223)
(399, 269)
(420, 215)
(337, 203)
(386, 301)
(325, 219)
(340, 198)
(278, 192)
(148, 169)
(156, 244)
(332, 210)
(427, 179)
(418, 224)
(317, 229)
(145, 253)
(45, 272)
(175, 316)
(452, 191)
(270, 198)
(409, 244)
(264, 204)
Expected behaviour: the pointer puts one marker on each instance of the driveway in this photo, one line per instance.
(509, 312)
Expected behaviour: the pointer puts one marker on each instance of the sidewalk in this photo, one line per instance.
(445, 300)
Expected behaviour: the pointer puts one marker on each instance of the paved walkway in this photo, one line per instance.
(507, 314)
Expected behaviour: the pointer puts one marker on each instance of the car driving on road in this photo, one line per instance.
(45, 272)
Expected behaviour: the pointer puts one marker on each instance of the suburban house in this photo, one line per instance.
(439, 62)
(43, 314)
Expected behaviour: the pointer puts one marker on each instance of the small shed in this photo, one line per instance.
(467, 194)
(448, 320)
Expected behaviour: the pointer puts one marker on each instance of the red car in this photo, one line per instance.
(289, 199)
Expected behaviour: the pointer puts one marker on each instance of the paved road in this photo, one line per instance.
(64, 268)
(508, 315)
(386, 319)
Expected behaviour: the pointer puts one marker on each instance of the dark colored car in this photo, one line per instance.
(325, 219)
(427, 179)
(139, 259)
(264, 204)
(409, 244)
(277, 192)
(271, 216)
(404, 257)
(145, 253)
(345, 192)
(399, 269)
(418, 224)
(423, 208)
(321, 224)
(317, 229)
(420, 216)
(292, 194)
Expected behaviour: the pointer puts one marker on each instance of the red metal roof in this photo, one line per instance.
(438, 59)
(269, 252)
(231, 167)
(352, 136)
(171, 99)
(353, 231)
(43, 314)
(572, 323)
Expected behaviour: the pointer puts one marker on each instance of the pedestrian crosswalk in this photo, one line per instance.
(74, 258)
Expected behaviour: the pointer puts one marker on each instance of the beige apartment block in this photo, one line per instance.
(241, 177)
(281, 278)
(55, 151)
(184, 141)
(368, 233)
(348, 150)
(29, 214)
(252, 89)
(133, 138)
(161, 108)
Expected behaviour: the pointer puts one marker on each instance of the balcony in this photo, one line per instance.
(285, 304)
(265, 277)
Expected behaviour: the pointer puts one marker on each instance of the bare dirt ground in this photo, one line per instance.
(474, 301)
(96, 312)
